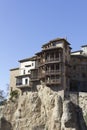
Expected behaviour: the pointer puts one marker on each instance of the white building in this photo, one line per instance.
(20, 77)
(22, 80)
(83, 51)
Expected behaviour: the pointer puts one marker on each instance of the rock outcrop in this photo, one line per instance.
(41, 110)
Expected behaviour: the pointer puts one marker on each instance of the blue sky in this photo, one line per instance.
(25, 25)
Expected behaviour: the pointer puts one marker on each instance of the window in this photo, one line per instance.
(57, 77)
(28, 66)
(29, 71)
(57, 67)
(52, 67)
(74, 67)
(54, 44)
(83, 75)
(24, 72)
(26, 81)
(57, 55)
(52, 55)
(32, 64)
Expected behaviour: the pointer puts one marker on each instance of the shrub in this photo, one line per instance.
(14, 95)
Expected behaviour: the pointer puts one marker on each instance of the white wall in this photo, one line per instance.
(84, 49)
(59, 44)
(27, 66)
(76, 53)
(23, 81)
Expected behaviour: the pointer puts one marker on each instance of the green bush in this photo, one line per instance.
(14, 95)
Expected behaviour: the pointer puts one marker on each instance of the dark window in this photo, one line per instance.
(83, 75)
(54, 44)
(26, 81)
(29, 71)
(57, 55)
(74, 67)
(28, 66)
(24, 72)
(52, 67)
(57, 67)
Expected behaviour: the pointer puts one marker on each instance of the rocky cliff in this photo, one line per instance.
(42, 110)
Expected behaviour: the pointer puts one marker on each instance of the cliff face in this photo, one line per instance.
(41, 110)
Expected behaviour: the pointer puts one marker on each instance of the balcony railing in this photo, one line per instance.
(54, 47)
(53, 72)
(53, 60)
(48, 72)
(49, 60)
(53, 81)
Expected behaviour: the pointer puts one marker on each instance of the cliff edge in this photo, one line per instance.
(43, 110)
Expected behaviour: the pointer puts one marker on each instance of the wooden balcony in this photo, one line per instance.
(53, 81)
(60, 47)
(49, 60)
(42, 75)
(52, 60)
(53, 72)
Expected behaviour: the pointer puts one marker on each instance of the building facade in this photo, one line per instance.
(13, 73)
(54, 66)
(79, 70)
(20, 78)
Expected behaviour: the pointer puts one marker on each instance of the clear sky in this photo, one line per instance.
(25, 25)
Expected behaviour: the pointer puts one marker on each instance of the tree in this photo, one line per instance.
(2, 98)
(1, 95)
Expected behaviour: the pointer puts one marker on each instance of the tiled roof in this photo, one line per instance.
(28, 59)
(84, 46)
(54, 40)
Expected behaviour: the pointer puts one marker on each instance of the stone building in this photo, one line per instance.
(50, 67)
(13, 73)
(79, 70)
(53, 63)
(54, 66)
